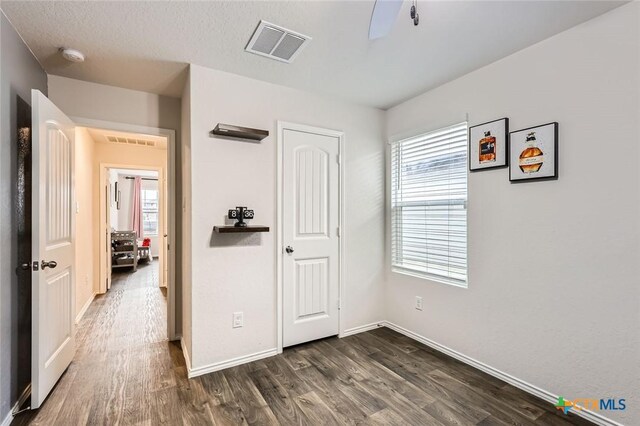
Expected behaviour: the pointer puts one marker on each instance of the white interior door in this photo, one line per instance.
(53, 344)
(311, 246)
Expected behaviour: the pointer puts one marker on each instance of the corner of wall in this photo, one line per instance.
(185, 204)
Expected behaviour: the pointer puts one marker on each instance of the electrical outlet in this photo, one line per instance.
(238, 319)
(419, 303)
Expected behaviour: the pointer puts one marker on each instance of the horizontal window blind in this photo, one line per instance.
(429, 201)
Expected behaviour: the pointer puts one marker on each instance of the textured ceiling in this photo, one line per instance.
(146, 45)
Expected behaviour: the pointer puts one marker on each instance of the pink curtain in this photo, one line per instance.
(136, 210)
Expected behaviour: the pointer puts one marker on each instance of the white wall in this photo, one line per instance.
(101, 102)
(185, 226)
(85, 186)
(554, 292)
(238, 274)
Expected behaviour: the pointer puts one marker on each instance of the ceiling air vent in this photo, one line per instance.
(129, 141)
(276, 42)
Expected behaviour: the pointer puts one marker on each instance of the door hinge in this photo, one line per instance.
(339, 306)
(338, 232)
(339, 159)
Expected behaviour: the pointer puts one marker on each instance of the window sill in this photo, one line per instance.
(433, 278)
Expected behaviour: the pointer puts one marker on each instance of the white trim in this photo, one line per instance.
(84, 308)
(362, 328)
(185, 353)
(278, 247)
(514, 381)
(281, 126)
(217, 366)
(171, 202)
(122, 127)
(430, 277)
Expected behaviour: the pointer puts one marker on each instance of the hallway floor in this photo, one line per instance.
(123, 358)
(126, 372)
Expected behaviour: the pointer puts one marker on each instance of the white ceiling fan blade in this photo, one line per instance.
(384, 15)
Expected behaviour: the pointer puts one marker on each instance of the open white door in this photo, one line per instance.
(311, 258)
(53, 344)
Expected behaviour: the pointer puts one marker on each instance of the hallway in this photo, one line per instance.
(123, 359)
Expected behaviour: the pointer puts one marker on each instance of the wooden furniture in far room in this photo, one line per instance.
(124, 250)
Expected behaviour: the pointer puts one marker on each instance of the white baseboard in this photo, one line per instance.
(84, 308)
(362, 328)
(199, 371)
(185, 353)
(514, 381)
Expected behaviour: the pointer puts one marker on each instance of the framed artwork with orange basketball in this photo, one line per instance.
(533, 153)
(489, 145)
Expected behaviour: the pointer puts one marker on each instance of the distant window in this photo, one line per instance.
(428, 205)
(150, 212)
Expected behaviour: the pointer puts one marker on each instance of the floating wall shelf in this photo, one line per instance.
(237, 132)
(235, 229)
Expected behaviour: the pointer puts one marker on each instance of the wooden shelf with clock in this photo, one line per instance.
(240, 214)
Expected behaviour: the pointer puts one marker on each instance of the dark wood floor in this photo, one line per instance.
(125, 372)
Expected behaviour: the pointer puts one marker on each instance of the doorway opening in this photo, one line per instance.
(125, 196)
(135, 223)
(69, 159)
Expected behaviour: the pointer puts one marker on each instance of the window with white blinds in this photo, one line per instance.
(428, 205)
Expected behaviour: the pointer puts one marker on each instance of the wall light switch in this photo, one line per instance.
(238, 319)
(419, 303)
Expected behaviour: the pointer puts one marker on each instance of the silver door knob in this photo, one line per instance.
(51, 264)
(289, 249)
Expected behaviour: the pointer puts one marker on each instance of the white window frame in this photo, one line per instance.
(156, 211)
(399, 269)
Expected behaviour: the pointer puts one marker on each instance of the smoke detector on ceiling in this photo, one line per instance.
(72, 55)
(275, 42)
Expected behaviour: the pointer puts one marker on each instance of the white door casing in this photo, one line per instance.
(105, 248)
(310, 228)
(53, 235)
